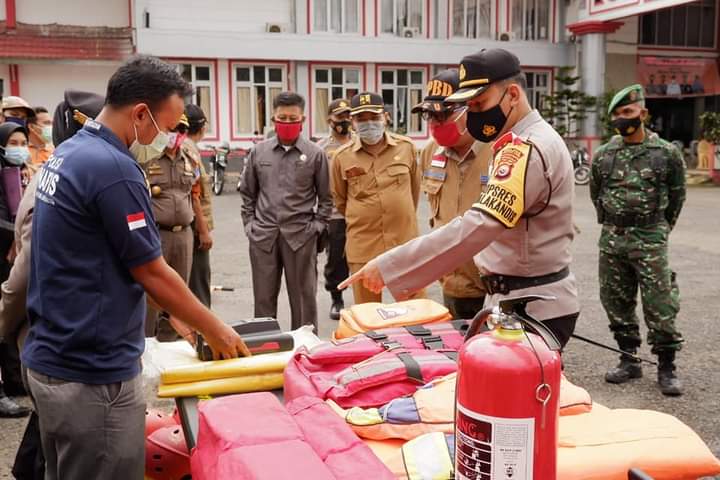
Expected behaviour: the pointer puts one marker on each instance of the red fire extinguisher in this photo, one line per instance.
(507, 397)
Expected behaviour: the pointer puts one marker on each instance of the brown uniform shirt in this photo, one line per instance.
(171, 180)
(533, 238)
(378, 195)
(452, 185)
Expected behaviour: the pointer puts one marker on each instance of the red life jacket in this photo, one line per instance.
(313, 367)
(251, 436)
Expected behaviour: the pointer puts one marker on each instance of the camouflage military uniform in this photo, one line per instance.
(638, 191)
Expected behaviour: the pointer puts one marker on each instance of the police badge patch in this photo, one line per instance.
(504, 197)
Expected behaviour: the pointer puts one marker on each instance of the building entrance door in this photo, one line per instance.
(673, 118)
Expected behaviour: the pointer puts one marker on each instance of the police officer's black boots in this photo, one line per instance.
(627, 369)
(669, 384)
(337, 304)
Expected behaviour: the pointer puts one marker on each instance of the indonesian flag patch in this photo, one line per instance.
(136, 220)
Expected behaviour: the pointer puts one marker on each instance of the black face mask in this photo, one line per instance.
(342, 127)
(626, 126)
(485, 126)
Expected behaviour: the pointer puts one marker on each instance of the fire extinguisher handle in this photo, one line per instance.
(480, 319)
(509, 306)
(538, 328)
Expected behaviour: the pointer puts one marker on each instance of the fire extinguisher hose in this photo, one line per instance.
(612, 349)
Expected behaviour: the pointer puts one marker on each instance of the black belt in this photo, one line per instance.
(172, 228)
(504, 284)
(631, 220)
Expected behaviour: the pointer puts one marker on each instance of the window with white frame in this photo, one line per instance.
(336, 16)
(538, 86)
(254, 89)
(402, 89)
(331, 83)
(531, 19)
(404, 18)
(471, 18)
(200, 76)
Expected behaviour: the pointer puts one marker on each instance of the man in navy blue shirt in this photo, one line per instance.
(94, 254)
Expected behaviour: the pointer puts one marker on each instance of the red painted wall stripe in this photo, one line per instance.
(10, 14)
(14, 80)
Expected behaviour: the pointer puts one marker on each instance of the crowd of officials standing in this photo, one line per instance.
(103, 233)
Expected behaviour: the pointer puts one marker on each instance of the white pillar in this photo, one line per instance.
(592, 73)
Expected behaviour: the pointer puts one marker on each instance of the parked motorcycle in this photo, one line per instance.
(581, 164)
(218, 164)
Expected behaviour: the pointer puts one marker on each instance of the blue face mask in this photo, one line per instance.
(17, 156)
(20, 121)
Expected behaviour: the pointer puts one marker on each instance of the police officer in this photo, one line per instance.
(454, 169)
(638, 189)
(336, 268)
(203, 224)
(171, 177)
(376, 186)
(521, 227)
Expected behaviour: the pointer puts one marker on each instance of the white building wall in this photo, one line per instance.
(2, 10)
(91, 13)
(215, 15)
(224, 99)
(44, 85)
(621, 58)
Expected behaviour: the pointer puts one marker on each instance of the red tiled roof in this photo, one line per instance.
(65, 42)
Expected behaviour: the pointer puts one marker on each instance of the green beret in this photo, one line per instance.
(626, 96)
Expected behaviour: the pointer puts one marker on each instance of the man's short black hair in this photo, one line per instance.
(289, 99)
(518, 79)
(145, 79)
(34, 119)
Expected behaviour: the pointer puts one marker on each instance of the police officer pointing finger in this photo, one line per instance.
(454, 169)
(521, 227)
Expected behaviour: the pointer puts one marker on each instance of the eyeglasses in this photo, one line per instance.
(443, 116)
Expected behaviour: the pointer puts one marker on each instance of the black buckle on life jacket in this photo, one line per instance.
(433, 343)
(391, 345)
(375, 336)
(418, 331)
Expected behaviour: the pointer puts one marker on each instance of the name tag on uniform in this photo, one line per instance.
(435, 175)
(354, 171)
(439, 161)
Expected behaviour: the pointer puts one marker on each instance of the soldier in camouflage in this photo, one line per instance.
(638, 189)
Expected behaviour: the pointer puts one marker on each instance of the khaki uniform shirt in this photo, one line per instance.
(285, 191)
(330, 144)
(202, 186)
(378, 195)
(452, 185)
(521, 226)
(171, 180)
